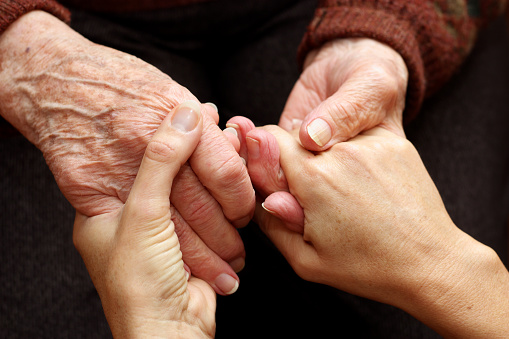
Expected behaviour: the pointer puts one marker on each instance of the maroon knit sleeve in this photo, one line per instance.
(10, 10)
(433, 36)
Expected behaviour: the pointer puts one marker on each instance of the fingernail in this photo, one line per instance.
(187, 116)
(227, 284)
(265, 208)
(211, 104)
(233, 127)
(320, 131)
(243, 161)
(231, 130)
(253, 148)
(237, 264)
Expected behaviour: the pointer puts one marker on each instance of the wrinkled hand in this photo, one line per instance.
(374, 225)
(347, 86)
(132, 253)
(91, 110)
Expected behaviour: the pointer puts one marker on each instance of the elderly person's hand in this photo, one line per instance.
(375, 226)
(132, 252)
(347, 86)
(91, 110)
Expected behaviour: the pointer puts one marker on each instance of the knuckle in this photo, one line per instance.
(201, 211)
(346, 115)
(388, 86)
(161, 151)
(234, 250)
(228, 248)
(179, 93)
(230, 171)
(379, 73)
(350, 156)
(202, 264)
(349, 150)
(400, 146)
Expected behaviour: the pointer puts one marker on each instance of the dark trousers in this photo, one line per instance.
(242, 56)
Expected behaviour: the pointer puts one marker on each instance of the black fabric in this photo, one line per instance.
(242, 56)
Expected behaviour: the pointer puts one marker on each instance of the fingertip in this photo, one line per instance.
(316, 134)
(186, 116)
(243, 126)
(211, 110)
(232, 135)
(242, 122)
(285, 206)
(226, 284)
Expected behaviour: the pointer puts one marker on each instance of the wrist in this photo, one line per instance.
(134, 312)
(29, 46)
(462, 290)
(152, 323)
(157, 328)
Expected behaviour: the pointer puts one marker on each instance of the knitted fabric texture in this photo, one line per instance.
(433, 37)
(10, 10)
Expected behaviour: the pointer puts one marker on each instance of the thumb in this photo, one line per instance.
(146, 226)
(172, 144)
(336, 119)
(361, 103)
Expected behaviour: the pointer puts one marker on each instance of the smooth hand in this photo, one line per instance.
(347, 86)
(92, 110)
(375, 226)
(133, 255)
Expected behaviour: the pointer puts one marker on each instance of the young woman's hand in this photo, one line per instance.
(133, 253)
(374, 225)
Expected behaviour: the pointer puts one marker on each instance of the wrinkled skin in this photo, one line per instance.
(351, 84)
(133, 256)
(92, 110)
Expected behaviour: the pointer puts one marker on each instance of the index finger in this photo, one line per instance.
(221, 170)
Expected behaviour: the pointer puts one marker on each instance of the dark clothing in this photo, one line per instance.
(239, 59)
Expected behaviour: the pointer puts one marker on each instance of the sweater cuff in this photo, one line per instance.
(341, 22)
(10, 10)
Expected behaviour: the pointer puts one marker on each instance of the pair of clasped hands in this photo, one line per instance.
(158, 276)
(359, 213)
(363, 216)
(159, 189)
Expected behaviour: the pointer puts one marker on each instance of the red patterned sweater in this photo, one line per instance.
(433, 36)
